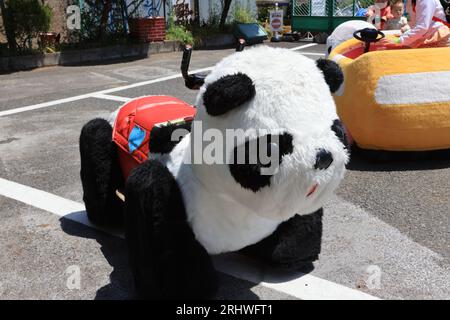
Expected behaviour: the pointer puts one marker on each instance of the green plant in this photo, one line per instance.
(178, 33)
(24, 19)
(243, 15)
(263, 13)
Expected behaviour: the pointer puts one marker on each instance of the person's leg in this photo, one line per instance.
(440, 38)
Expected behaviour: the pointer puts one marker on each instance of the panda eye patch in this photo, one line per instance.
(339, 131)
(332, 73)
(227, 93)
(249, 174)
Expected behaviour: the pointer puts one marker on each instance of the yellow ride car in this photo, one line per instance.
(394, 99)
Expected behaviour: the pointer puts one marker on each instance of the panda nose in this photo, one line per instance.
(323, 159)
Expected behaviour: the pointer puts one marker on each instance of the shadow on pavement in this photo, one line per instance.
(378, 160)
(115, 252)
(121, 282)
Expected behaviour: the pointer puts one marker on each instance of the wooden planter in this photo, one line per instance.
(148, 29)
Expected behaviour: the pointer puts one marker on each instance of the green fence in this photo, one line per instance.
(325, 15)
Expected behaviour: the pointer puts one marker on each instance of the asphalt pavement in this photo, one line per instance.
(386, 231)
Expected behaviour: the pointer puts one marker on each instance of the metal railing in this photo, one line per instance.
(323, 8)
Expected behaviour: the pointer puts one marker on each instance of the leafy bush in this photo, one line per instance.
(263, 13)
(178, 33)
(243, 15)
(25, 19)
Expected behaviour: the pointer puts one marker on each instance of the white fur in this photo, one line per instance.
(344, 32)
(291, 96)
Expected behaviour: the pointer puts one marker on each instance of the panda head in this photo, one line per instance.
(344, 32)
(282, 100)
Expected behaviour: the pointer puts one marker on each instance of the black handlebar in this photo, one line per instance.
(368, 36)
(185, 61)
(241, 45)
(195, 81)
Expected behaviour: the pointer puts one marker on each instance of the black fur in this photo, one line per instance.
(161, 137)
(166, 259)
(294, 245)
(227, 93)
(332, 72)
(100, 173)
(324, 159)
(339, 130)
(249, 175)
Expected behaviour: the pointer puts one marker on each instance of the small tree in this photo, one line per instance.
(8, 29)
(23, 20)
(178, 33)
(96, 17)
(224, 15)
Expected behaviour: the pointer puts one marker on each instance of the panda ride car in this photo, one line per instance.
(177, 213)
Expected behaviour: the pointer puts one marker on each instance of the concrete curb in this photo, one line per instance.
(216, 42)
(99, 55)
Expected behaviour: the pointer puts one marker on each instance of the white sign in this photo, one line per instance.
(73, 17)
(276, 20)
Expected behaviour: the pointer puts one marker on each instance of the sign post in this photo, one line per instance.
(276, 22)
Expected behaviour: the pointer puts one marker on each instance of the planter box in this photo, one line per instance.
(27, 62)
(76, 57)
(148, 29)
(252, 33)
(171, 46)
(4, 64)
(91, 55)
(51, 59)
(217, 42)
(70, 57)
(112, 53)
(135, 50)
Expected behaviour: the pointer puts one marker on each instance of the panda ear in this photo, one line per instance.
(227, 93)
(332, 72)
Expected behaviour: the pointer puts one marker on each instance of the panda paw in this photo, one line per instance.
(294, 246)
(166, 260)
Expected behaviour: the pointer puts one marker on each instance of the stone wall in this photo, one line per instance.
(59, 21)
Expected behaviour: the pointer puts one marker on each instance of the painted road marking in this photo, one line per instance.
(92, 94)
(313, 54)
(309, 45)
(49, 202)
(304, 286)
(111, 97)
(44, 105)
(112, 90)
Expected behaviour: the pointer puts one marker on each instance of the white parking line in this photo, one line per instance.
(110, 97)
(314, 54)
(302, 286)
(44, 105)
(96, 94)
(304, 46)
(299, 285)
(92, 94)
(49, 202)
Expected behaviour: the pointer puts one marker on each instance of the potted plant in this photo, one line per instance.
(147, 29)
(247, 27)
